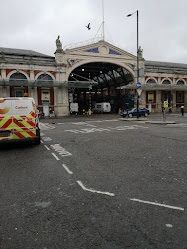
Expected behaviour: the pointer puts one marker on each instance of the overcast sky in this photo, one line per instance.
(36, 24)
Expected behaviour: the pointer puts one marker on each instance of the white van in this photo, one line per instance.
(19, 120)
(103, 107)
(74, 108)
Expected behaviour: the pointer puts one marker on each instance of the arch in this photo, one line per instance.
(151, 80)
(17, 80)
(44, 77)
(44, 73)
(17, 72)
(83, 62)
(166, 81)
(180, 82)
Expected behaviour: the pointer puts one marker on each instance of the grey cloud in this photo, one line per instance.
(35, 25)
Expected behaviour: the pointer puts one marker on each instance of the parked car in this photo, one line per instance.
(133, 112)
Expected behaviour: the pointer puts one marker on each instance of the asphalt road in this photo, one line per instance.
(96, 182)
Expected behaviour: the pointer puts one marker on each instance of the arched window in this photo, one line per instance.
(44, 78)
(180, 82)
(17, 77)
(166, 82)
(151, 81)
(17, 82)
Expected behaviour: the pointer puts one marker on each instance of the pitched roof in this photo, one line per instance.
(161, 64)
(22, 52)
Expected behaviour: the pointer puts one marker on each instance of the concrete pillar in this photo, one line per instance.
(185, 101)
(159, 79)
(173, 92)
(5, 90)
(142, 99)
(158, 101)
(61, 100)
(32, 91)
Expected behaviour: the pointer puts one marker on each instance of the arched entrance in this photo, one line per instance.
(110, 77)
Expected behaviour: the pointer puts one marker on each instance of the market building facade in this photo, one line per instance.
(97, 72)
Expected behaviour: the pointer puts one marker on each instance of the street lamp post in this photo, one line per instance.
(137, 62)
(90, 99)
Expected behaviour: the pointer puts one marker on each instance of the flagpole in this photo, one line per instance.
(103, 20)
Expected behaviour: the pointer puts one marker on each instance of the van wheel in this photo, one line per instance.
(37, 141)
(146, 114)
(130, 115)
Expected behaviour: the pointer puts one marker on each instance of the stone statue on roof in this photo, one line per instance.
(58, 44)
(140, 52)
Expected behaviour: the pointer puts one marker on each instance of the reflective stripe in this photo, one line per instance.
(5, 124)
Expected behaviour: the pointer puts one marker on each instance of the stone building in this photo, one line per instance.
(98, 71)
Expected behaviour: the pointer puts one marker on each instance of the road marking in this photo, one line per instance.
(94, 191)
(158, 204)
(106, 120)
(169, 225)
(45, 126)
(60, 150)
(118, 128)
(55, 156)
(46, 147)
(74, 131)
(66, 168)
(83, 123)
(122, 128)
(46, 139)
(140, 126)
(41, 141)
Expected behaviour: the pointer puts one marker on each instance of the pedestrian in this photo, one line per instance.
(182, 110)
(170, 110)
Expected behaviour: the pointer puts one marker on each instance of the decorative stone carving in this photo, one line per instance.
(131, 65)
(71, 62)
(104, 50)
(59, 58)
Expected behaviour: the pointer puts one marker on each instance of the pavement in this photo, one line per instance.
(153, 118)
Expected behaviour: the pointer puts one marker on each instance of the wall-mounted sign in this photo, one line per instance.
(150, 96)
(45, 96)
(165, 104)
